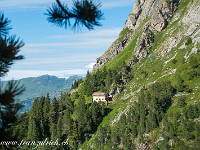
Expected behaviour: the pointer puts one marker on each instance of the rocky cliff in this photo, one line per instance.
(156, 57)
(115, 49)
(156, 14)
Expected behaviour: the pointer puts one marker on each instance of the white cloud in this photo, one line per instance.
(90, 43)
(90, 34)
(77, 52)
(26, 4)
(117, 3)
(18, 4)
(19, 74)
(59, 59)
(97, 39)
(90, 66)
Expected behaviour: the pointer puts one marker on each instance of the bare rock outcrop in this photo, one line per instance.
(113, 51)
(160, 13)
(163, 14)
(142, 9)
(190, 24)
(145, 43)
(158, 22)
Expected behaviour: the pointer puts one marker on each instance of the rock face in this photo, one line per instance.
(161, 13)
(145, 43)
(155, 16)
(142, 9)
(113, 51)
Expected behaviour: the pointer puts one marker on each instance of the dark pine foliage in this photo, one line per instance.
(60, 119)
(106, 79)
(84, 13)
(76, 83)
(9, 49)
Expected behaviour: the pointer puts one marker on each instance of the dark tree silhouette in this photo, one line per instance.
(84, 12)
(9, 49)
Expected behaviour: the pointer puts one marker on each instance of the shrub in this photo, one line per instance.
(189, 41)
(174, 61)
(179, 83)
(181, 102)
(193, 61)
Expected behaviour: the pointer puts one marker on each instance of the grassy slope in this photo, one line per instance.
(150, 65)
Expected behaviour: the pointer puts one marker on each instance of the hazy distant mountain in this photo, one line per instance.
(40, 86)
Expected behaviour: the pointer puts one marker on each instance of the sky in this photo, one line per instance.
(57, 51)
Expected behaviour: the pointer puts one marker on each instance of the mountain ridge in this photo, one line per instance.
(40, 86)
(162, 45)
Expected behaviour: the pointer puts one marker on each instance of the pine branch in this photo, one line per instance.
(84, 12)
(4, 26)
(12, 89)
(9, 49)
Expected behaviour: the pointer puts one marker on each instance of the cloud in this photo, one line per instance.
(90, 43)
(62, 61)
(94, 40)
(19, 74)
(77, 52)
(19, 4)
(116, 4)
(63, 58)
(90, 66)
(37, 4)
(90, 34)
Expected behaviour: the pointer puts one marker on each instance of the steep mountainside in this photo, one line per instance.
(152, 72)
(151, 17)
(160, 43)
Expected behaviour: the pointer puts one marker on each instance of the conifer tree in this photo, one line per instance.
(9, 49)
(42, 129)
(46, 109)
(34, 123)
(53, 118)
(108, 80)
(95, 113)
(21, 126)
(67, 123)
(75, 136)
(122, 125)
(59, 127)
(88, 125)
(80, 112)
(68, 103)
(104, 74)
(179, 83)
(40, 108)
(101, 137)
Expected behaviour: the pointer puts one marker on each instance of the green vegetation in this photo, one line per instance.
(146, 71)
(10, 47)
(75, 84)
(156, 101)
(106, 80)
(189, 41)
(40, 86)
(123, 34)
(60, 119)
